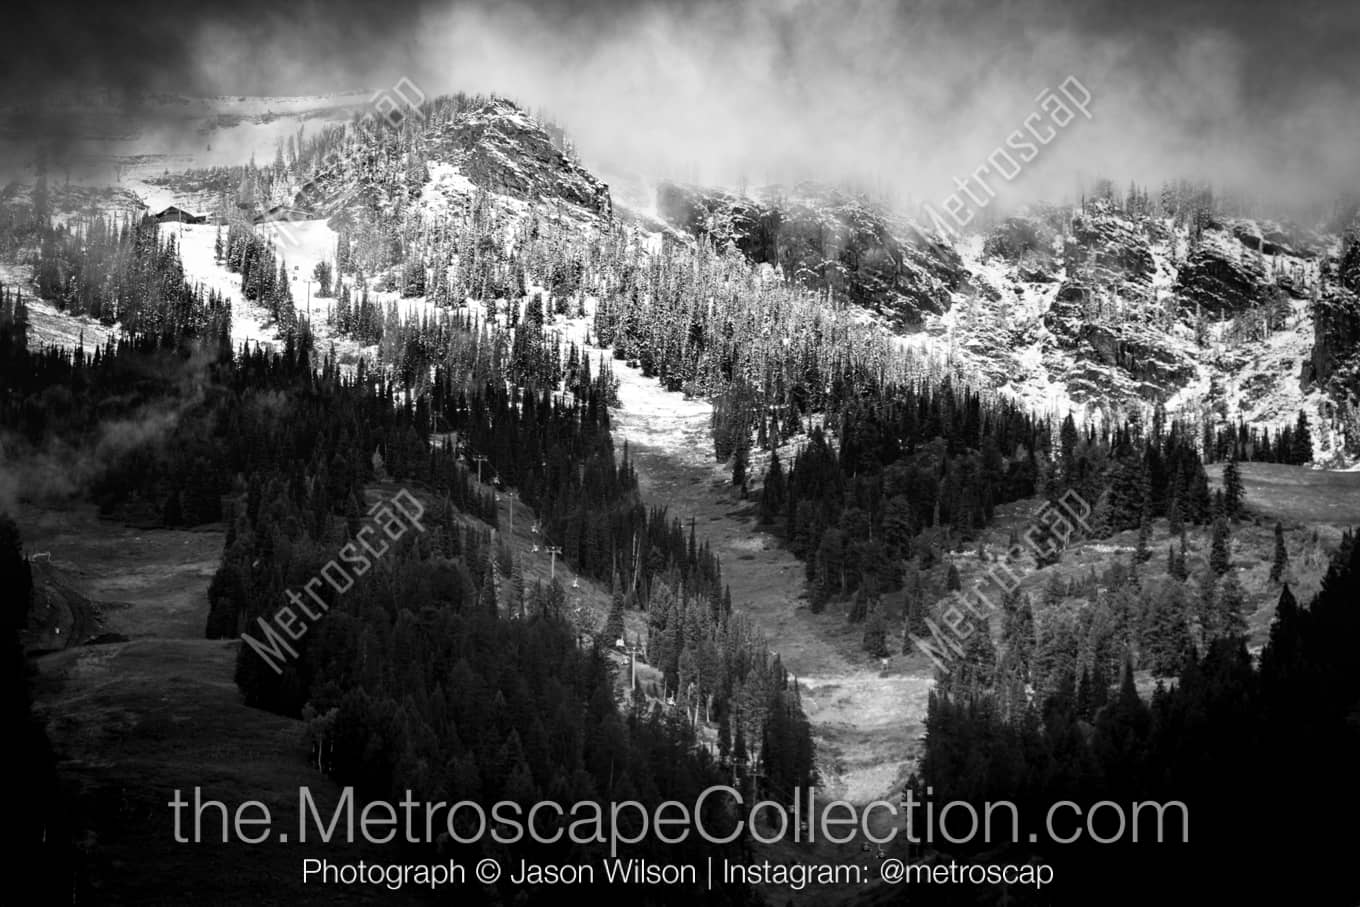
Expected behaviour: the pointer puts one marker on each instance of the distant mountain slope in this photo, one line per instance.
(459, 146)
(1114, 305)
(1104, 307)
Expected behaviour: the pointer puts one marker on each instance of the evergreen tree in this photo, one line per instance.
(1174, 512)
(772, 493)
(739, 460)
(1165, 637)
(1232, 490)
(1018, 632)
(1067, 436)
(875, 640)
(1303, 441)
(322, 274)
(1143, 553)
(1204, 617)
(1219, 551)
(1181, 568)
(1281, 560)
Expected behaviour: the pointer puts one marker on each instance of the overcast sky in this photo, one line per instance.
(908, 95)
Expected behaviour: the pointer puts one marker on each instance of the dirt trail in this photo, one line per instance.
(867, 718)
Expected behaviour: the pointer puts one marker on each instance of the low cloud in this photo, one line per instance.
(897, 97)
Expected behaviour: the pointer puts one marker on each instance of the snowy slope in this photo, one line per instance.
(1097, 311)
(1108, 341)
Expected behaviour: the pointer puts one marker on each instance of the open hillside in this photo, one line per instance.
(773, 487)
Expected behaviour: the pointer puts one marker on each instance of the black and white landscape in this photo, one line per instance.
(750, 453)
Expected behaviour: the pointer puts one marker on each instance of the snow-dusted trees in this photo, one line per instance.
(264, 274)
(125, 272)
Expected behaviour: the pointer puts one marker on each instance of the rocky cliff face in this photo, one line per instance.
(1115, 352)
(1030, 243)
(722, 217)
(828, 240)
(491, 144)
(502, 149)
(1335, 356)
(1107, 305)
(1108, 248)
(1222, 277)
(1104, 305)
(1335, 360)
(1105, 313)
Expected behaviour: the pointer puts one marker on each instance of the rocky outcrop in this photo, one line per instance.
(1221, 277)
(1336, 321)
(1142, 351)
(1024, 241)
(751, 226)
(827, 240)
(1105, 343)
(493, 143)
(1271, 238)
(1107, 247)
(1336, 341)
(502, 149)
(1335, 360)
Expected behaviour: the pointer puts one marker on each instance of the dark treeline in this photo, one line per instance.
(505, 705)
(435, 674)
(919, 473)
(97, 411)
(1261, 752)
(453, 615)
(926, 458)
(1291, 444)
